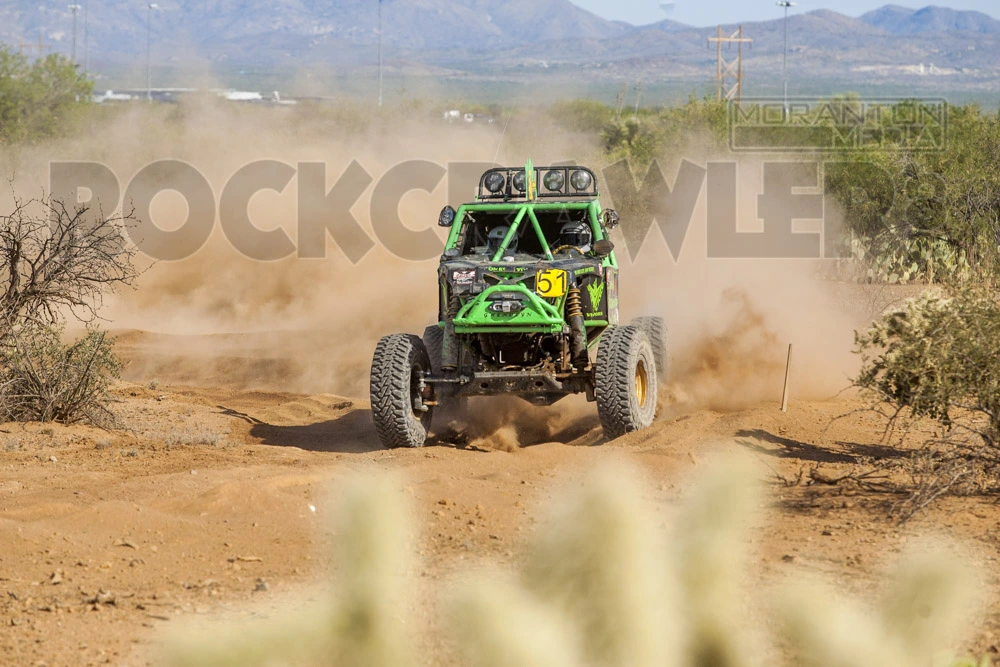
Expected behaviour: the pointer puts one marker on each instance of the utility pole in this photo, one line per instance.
(725, 70)
(22, 45)
(380, 54)
(149, 35)
(86, 42)
(784, 58)
(74, 9)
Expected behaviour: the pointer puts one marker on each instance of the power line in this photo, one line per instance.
(784, 58)
(379, 54)
(74, 9)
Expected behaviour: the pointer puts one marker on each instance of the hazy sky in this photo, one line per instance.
(713, 12)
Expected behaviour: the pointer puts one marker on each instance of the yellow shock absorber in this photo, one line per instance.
(574, 304)
(578, 332)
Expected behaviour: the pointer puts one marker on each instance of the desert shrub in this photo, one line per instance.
(43, 379)
(931, 215)
(55, 257)
(582, 115)
(56, 263)
(935, 357)
(646, 134)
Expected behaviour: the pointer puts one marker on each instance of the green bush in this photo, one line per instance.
(39, 99)
(933, 215)
(935, 358)
(649, 133)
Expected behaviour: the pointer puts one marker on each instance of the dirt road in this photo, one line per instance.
(217, 499)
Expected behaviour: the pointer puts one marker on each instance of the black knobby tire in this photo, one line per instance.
(433, 340)
(399, 360)
(453, 407)
(625, 380)
(656, 330)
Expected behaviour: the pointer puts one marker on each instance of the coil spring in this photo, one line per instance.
(574, 303)
(454, 305)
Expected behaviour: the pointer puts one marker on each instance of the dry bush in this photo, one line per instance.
(935, 357)
(599, 587)
(57, 262)
(55, 258)
(42, 379)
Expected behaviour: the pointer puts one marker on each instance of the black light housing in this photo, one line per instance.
(447, 217)
(554, 181)
(495, 182)
(519, 181)
(581, 180)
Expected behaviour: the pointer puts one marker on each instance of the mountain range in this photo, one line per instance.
(511, 38)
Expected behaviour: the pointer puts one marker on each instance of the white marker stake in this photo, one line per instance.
(784, 392)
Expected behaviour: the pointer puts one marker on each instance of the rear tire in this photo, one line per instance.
(625, 381)
(656, 330)
(398, 365)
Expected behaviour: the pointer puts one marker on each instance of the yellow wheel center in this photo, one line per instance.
(641, 383)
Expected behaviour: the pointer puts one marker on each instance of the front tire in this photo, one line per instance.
(396, 391)
(625, 381)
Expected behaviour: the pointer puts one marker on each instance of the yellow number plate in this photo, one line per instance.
(551, 283)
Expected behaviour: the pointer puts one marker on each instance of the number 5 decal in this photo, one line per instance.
(551, 283)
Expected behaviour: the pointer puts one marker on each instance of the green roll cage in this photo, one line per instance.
(526, 209)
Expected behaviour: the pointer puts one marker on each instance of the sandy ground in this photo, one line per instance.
(216, 499)
(204, 505)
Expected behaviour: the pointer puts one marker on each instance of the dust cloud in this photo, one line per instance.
(730, 321)
(310, 325)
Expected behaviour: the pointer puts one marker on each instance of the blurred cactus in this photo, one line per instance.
(925, 605)
(600, 586)
(359, 626)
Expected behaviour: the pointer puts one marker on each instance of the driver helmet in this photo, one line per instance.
(497, 235)
(577, 234)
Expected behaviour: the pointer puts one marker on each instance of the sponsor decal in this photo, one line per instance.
(463, 276)
(596, 291)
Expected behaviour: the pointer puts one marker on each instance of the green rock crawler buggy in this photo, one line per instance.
(528, 305)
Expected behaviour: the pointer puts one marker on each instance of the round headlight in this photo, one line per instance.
(581, 180)
(519, 181)
(494, 182)
(554, 181)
